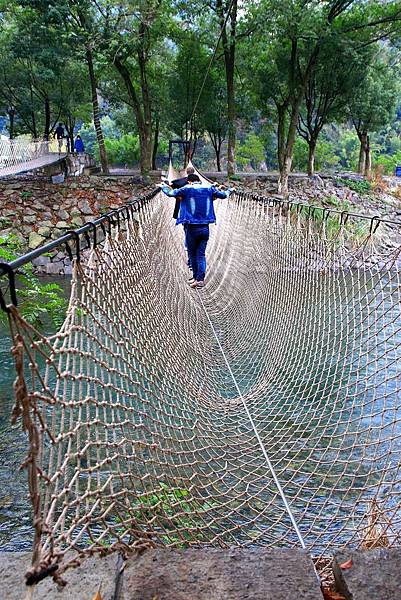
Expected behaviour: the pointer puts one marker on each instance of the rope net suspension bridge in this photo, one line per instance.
(261, 410)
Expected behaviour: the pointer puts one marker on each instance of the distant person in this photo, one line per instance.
(59, 134)
(179, 183)
(196, 212)
(79, 145)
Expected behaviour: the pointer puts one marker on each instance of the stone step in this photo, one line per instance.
(83, 582)
(370, 575)
(216, 574)
(210, 574)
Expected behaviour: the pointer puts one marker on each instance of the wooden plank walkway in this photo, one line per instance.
(30, 165)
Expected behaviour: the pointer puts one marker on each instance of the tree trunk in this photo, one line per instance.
(229, 43)
(155, 144)
(362, 158)
(283, 177)
(70, 138)
(11, 116)
(288, 149)
(96, 115)
(231, 124)
(143, 119)
(47, 120)
(281, 111)
(218, 161)
(368, 158)
(33, 117)
(311, 157)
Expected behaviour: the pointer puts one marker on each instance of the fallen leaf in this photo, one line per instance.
(347, 564)
(97, 596)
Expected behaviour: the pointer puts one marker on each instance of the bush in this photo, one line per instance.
(389, 163)
(38, 302)
(124, 150)
(361, 186)
(251, 152)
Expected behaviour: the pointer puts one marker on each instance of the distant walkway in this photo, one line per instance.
(31, 165)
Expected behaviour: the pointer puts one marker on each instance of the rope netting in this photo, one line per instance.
(149, 411)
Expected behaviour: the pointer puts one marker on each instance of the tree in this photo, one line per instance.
(374, 107)
(132, 33)
(329, 90)
(290, 52)
(73, 22)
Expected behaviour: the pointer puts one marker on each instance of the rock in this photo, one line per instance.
(82, 582)
(141, 180)
(8, 212)
(44, 231)
(41, 261)
(30, 219)
(84, 207)
(63, 214)
(54, 268)
(221, 574)
(372, 574)
(77, 221)
(62, 225)
(35, 240)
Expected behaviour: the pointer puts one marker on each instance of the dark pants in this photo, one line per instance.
(185, 225)
(197, 237)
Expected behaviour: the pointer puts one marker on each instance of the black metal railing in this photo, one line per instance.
(116, 217)
(91, 234)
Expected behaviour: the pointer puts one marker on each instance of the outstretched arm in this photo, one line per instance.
(219, 194)
(170, 192)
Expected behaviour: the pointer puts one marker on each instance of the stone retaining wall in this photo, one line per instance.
(37, 211)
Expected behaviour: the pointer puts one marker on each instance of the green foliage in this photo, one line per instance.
(39, 303)
(389, 163)
(362, 186)
(175, 508)
(251, 152)
(326, 158)
(124, 150)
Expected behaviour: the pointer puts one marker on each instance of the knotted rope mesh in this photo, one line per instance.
(138, 433)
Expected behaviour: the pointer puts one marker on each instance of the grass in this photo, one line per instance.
(362, 186)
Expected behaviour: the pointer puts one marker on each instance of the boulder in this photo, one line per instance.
(62, 225)
(35, 240)
(44, 231)
(84, 207)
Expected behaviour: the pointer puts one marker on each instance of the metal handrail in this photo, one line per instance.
(112, 218)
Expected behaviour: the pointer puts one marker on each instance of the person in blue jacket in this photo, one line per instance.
(196, 213)
(79, 145)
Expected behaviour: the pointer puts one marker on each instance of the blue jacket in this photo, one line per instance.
(196, 206)
(79, 146)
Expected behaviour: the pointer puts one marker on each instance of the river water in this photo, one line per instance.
(15, 513)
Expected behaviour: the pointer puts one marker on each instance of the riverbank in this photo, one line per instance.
(36, 211)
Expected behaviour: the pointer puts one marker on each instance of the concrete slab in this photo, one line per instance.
(83, 582)
(374, 574)
(217, 574)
